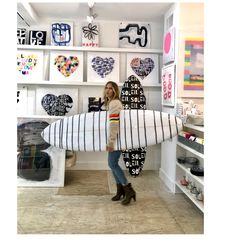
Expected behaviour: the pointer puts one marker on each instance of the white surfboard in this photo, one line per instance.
(90, 131)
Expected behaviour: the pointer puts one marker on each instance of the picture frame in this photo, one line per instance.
(66, 66)
(169, 46)
(102, 67)
(145, 67)
(90, 34)
(168, 85)
(29, 65)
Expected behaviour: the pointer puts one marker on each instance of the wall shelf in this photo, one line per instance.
(190, 150)
(89, 49)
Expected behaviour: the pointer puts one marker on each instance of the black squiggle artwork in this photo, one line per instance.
(57, 106)
(139, 31)
(90, 31)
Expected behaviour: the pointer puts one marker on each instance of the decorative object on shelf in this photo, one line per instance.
(88, 131)
(95, 104)
(197, 171)
(183, 181)
(90, 35)
(57, 101)
(62, 34)
(134, 35)
(29, 65)
(102, 67)
(21, 36)
(169, 46)
(66, 66)
(37, 37)
(168, 85)
(190, 185)
(22, 100)
(132, 97)
(200, 196)
(194, 191)
(194, 64)
(39, 164)
(143, 66)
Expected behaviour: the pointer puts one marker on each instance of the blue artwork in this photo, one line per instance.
(103, 66)
(62, 34)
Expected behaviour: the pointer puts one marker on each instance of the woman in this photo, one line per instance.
(114, 106)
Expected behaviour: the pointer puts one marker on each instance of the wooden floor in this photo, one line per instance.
(84, 206)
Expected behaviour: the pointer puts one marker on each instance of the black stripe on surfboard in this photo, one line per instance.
(125, 127)
(72, 134)
(169, 121)
(93, 131)
(49, 137)
(79, 131)
(55, 133)
(67, 133)
(145, 128)
(163, 138)
(177, 130)
(138, 126)
(99, 134)
(131, 129)
(155, 130)
(84, 132)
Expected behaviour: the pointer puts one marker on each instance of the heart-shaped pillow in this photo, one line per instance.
(142, 67)
(57, 106)
(103, 66)
(66, 65)
(25, 63)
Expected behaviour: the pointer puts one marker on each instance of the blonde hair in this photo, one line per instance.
(116, 92)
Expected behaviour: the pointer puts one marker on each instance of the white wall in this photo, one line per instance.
(109, 38)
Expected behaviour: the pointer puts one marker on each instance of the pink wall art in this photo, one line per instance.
(169, 46)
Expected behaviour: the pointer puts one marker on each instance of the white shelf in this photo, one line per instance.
(196, 178)
(187, 192)
(198, 128)
(64, 83)
(40, 116)
(89, 49)
(190, 150)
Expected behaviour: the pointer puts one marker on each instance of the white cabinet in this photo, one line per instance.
(183, 170)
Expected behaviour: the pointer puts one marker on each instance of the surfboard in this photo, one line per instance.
(132, 97)
(90, 131)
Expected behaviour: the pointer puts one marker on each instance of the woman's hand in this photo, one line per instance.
(109, 149)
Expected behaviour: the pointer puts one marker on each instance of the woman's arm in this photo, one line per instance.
(115, 106)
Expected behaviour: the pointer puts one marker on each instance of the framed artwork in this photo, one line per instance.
(38, 163)
(62, 34)
(90, 35)
(57, 101)
(194, 64)
(22, 100)
(102, 67)
(30, 65)
(169, 46)
(134, 35)
(145, 67)
(168, 85)
(37, 37)
(66, 66)
(21, 36)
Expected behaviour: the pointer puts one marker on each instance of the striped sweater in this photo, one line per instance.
(114, 108)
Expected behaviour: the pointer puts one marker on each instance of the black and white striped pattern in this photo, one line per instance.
(90, 131)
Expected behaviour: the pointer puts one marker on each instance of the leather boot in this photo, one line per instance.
(119, 194)
(130, 193)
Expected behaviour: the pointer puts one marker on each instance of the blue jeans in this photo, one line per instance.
(113, 158)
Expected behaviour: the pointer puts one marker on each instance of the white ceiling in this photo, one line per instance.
(106, 11)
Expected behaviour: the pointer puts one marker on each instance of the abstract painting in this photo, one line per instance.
(57, 101)
(30, 65)
(102, 67)
(22, 100)
(143, 66)
(21, 36)
(66, 66)
(62, 34)
(169, 46)
(90, 35)
(134, 35)
(38, 163)
(194, 64)
(37, 37)
(168, 85)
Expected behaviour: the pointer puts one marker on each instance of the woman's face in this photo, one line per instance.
(109, 91)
